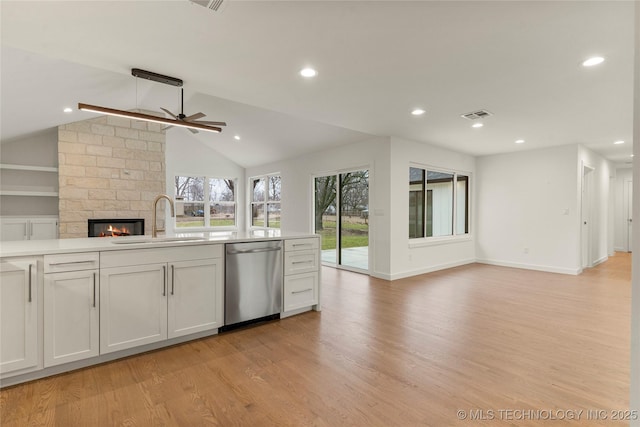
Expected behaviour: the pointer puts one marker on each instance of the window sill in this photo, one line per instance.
(435, 241)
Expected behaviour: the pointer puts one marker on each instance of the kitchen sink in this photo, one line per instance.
(131, 241)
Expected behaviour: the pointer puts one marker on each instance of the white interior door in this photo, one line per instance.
(629, 212)
(585, 217)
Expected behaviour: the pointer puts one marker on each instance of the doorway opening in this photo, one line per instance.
(341, 217)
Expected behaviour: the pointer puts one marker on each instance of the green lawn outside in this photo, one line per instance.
(354, 235)
(200, 223)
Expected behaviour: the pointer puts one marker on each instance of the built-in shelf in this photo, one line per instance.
(29, 193)
(28, 181)
(28, 168)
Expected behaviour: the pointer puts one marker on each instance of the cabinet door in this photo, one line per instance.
(43, 228)
(71, 316)
(196, 300)
(14, 229)
(133, 306)
(18, 315)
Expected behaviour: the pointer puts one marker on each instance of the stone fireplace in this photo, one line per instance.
(109, 167)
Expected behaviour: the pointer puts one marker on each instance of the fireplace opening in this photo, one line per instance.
(116, 227)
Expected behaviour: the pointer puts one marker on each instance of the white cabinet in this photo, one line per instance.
(301, 273)
(151, 295)
(34, 228)
(195, 296)
(133, 305)
(19, 296)
(71, 307)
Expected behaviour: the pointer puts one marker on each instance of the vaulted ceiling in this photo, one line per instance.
(376, 61)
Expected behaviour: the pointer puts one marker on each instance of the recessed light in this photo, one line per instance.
(68, 110)
(477, 125)
(237, 137)
(418, 112)
(308, 72)
(519, 141)
(593, 61)
(632, 155)
(619, 142)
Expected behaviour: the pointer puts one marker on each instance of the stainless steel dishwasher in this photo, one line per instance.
(253, 282)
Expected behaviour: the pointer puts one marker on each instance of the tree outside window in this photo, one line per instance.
(205, 202)
(265, 201)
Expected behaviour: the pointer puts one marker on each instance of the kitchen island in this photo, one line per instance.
(70, 303)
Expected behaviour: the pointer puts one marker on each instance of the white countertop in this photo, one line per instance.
(60, 246)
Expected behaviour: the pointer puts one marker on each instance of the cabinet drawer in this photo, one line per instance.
(300, 291)
(151, 255)
(300, 262)
(71, 262)
(301, 244)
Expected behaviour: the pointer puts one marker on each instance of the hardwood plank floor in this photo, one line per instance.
(404, 353)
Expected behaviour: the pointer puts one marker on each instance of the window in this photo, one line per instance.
(205, 202)
(265, 201)
(438, 203)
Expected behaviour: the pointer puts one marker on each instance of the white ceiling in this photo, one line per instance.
(376, 60)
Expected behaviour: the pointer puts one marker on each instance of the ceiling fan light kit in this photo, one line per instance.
(180, 120)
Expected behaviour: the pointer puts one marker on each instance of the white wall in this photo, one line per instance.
(601, 206)
(425, 257)
(188, 156)
(528, 210)
(635, 297)
(623, 175)
(297, 190)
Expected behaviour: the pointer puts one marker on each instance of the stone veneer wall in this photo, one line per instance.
(109, 167)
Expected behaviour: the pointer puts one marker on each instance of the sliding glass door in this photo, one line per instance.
(342, 218)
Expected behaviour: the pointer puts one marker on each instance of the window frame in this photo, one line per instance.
(263, 203)
(208, 205)
(456, 236)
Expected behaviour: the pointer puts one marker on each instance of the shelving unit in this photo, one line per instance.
(24, 180)
(28, 168)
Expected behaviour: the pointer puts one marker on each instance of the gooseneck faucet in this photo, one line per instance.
(154, 229)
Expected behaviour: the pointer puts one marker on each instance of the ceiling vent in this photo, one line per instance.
(480, 114)
(209, 4)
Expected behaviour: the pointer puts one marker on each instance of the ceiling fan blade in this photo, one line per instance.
(195, 116)
(205, 122)
(167, 127)
(193, 131)
(169, 113)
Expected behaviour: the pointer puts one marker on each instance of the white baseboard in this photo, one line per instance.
(429, 269)
(547, 268)
(600, 260)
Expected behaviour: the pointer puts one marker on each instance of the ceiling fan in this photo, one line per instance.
(189, 119)
(181, 120)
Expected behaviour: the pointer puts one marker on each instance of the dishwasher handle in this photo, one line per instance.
(253, 251)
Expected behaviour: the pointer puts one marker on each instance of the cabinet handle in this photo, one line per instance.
(295, 245)
(173, 280)
(94, 290)
(30, 280)
(302, 291)
(30, 230)
(302, 262)
(164, 280)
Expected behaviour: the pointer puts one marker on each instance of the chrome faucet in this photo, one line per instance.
(154, 229)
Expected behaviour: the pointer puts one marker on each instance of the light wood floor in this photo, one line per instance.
(406, 353)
